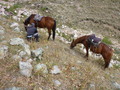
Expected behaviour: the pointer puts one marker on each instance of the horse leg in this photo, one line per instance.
(37, 38)
(49, 32)
(106, 64)
(87, 53)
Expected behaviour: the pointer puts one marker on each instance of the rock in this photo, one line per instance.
(41, 68)
(3, 51)
(37, 53)
(26, 48)
(17, 41)
(116, 85)
(2, 32)
(15, 88)
(17, 29)
(57, 83)
(17, 57)
(14, 25)
(16, 18)
(114, 63)
(22, 53)
(91, 86)
(55, 70)
(25, 68)
(29, 60)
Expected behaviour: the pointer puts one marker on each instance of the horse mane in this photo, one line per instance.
(81, 39)
(28, 19)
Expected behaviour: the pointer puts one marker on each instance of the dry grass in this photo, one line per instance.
(74, 76)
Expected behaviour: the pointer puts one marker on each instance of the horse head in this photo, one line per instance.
(72, 44)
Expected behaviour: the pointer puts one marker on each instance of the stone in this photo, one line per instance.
(3, 51)
(37, 53)
(2, 32)
(17, 57)
(26, 48)
(116, 85)
(41, 68)
(14, 24)
(17, 41)
(22, 53)
(17, 29)
(25, 68)
(16, 88)
(114, 63)
(57, 83)
(55, 70)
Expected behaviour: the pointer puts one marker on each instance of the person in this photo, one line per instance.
(32, 33)
(93, 40)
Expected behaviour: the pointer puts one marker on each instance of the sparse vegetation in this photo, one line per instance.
(77, 73)
(107, 40)
(13, 8)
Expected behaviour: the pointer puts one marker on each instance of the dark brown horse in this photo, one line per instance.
(102, 48)
(45, 22)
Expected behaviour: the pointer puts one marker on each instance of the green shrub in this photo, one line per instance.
(106, 40)
(13, 8)
(117, 50)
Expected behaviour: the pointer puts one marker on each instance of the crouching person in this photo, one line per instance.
(32, 33)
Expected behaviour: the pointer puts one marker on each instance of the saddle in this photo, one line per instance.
(38, 17)
(93, 40)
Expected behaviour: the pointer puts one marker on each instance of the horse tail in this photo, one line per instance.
(53, 29)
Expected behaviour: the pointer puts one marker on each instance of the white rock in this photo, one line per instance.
(16, 18)
(41, 67)
(14, 24)
(117, 86)
(57, 83)
(29, 60)
(22, 53)
(2, 32)
(27, 48)
(55, 70)
(37, 53)
(3, 51)
(91, 86)
(17, 41)
(114, 62)
(25, 68)
(17, 29)
(17, 57)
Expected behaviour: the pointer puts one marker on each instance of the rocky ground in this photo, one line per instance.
(52, 64)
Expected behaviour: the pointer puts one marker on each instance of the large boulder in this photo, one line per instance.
(25, 68)
(19, 41)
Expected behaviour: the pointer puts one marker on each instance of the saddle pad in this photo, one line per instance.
(38, 17)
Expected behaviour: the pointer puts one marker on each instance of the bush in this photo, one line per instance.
(106, 40)
(13, 8)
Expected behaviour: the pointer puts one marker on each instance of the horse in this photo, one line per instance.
(101, 48)
(45, 22)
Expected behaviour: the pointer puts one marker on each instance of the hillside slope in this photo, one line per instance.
(76, 73)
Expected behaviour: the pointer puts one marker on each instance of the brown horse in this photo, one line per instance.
(45, 22)
(102, 48)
